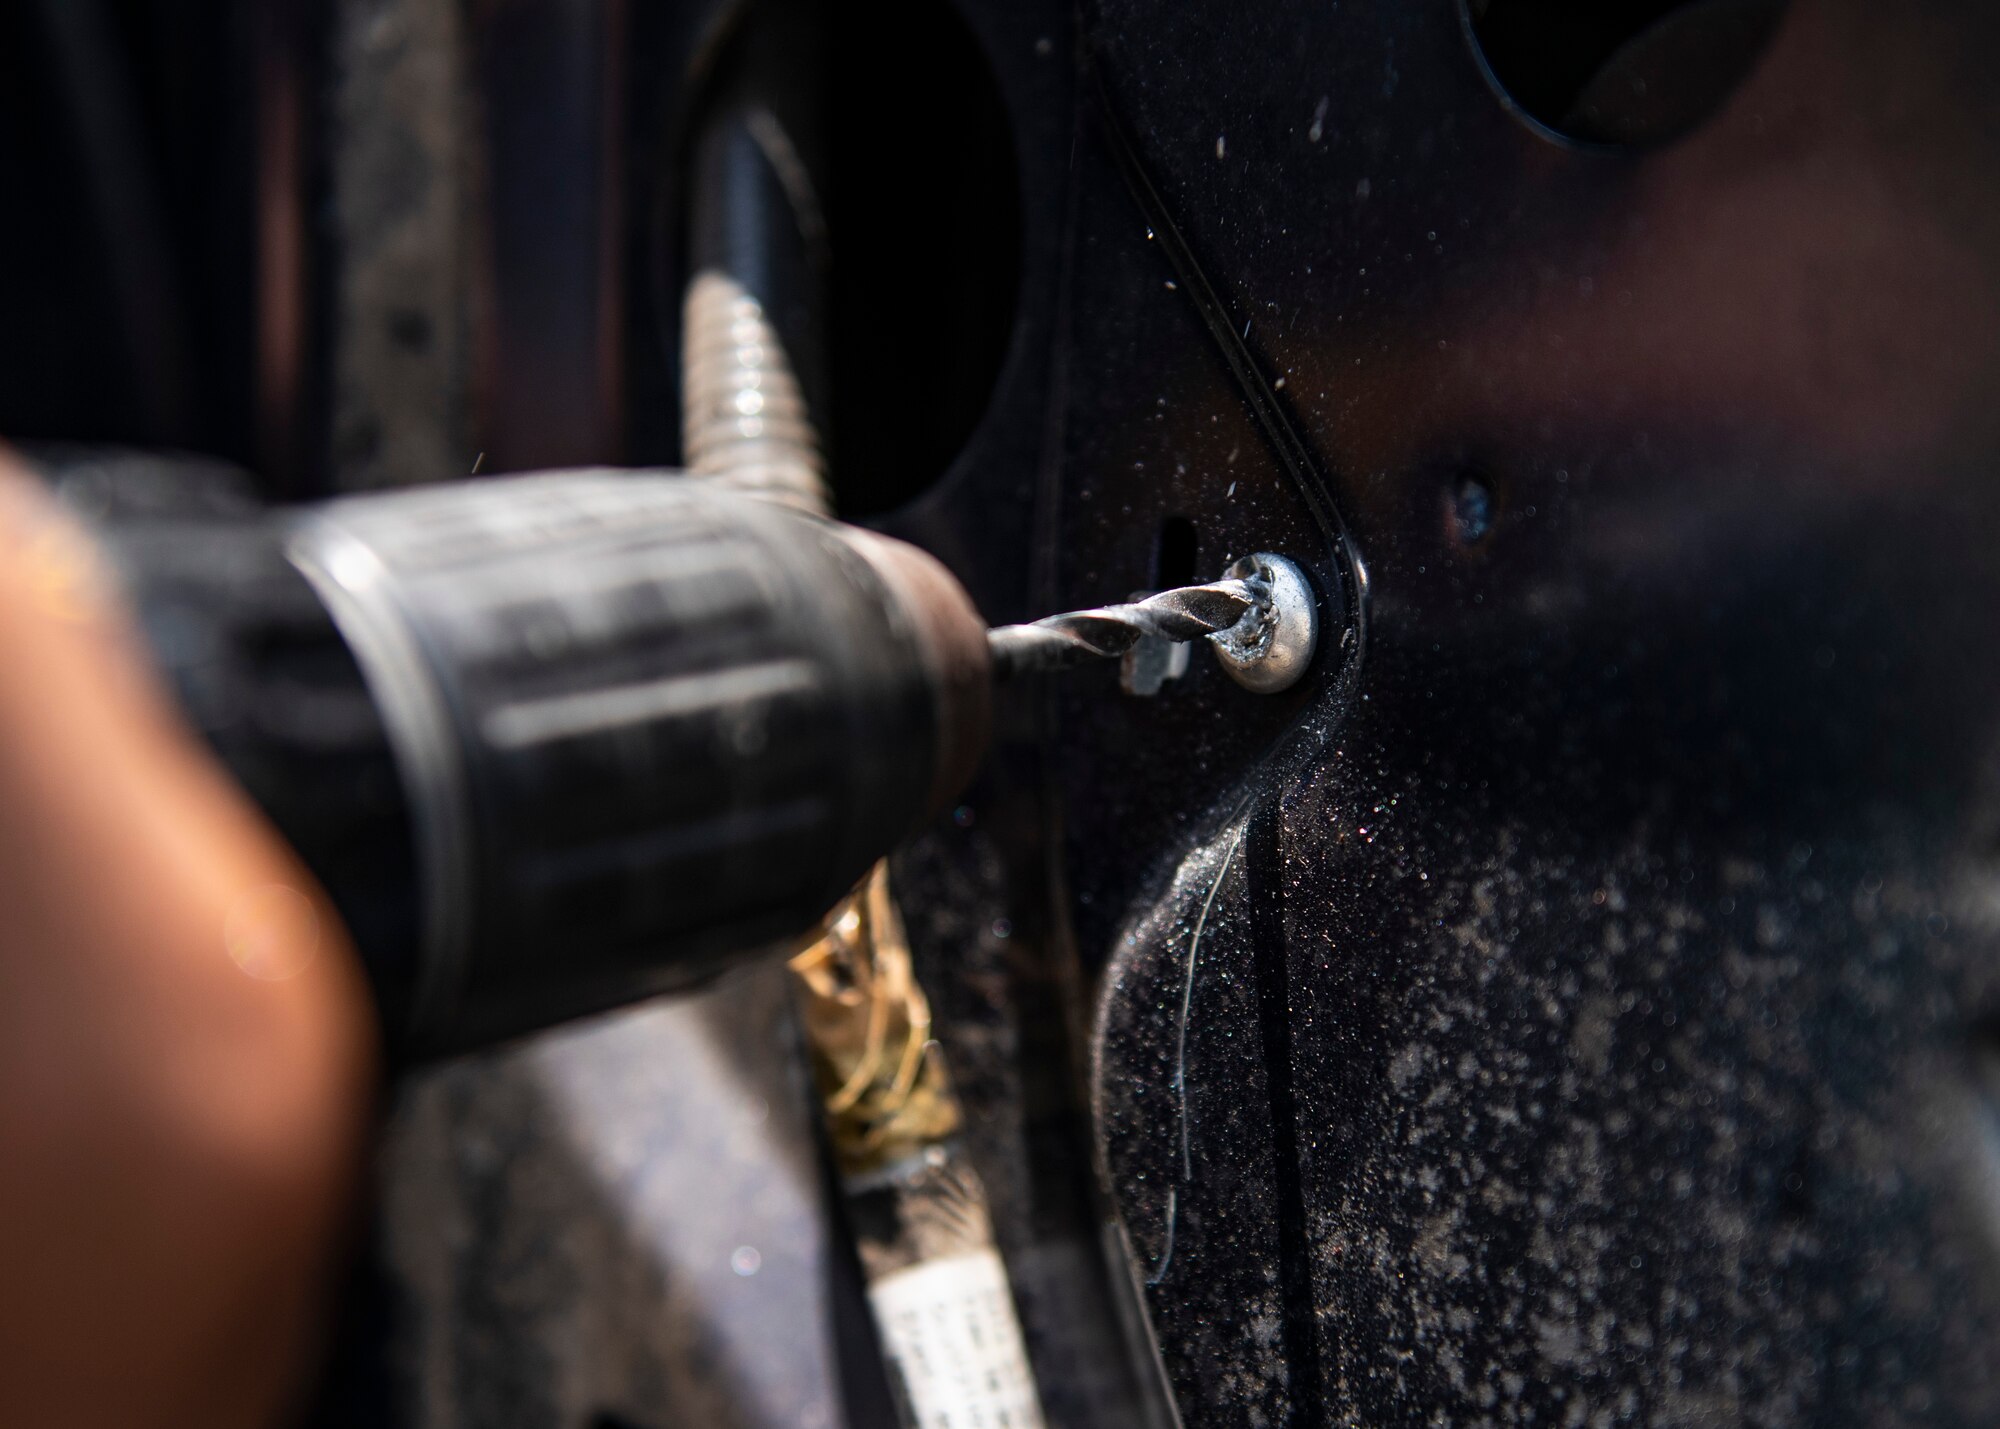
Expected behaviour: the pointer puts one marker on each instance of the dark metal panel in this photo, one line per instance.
(981, 893)
(1633, 933)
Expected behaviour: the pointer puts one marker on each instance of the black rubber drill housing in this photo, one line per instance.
(555, 743)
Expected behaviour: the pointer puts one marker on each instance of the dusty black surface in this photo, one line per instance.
(1576, 1004)
(1589, 1028)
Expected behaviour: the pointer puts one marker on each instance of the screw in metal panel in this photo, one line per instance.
(1272, 647)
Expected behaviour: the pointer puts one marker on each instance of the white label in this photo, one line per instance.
(949, 1327)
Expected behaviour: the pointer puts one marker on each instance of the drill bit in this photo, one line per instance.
(1061, 641)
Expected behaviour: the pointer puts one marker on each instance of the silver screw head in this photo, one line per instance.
(1272, 647)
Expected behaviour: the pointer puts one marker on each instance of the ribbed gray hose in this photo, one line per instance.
(743, 418)
(744, 422)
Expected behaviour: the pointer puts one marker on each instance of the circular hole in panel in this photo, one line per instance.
(924, 221)
(1621, 72)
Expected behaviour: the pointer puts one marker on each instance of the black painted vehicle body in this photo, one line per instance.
(1578, 1002)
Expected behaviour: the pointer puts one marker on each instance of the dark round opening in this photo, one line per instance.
(924, 223)
(852, 169)
(1627, 72)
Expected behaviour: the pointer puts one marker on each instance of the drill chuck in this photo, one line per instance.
(642, 724)
(639, 726)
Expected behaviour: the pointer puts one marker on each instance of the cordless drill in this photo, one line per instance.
(557, 742)
(553, 743)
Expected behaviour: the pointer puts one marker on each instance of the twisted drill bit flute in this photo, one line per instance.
(1062, 641)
